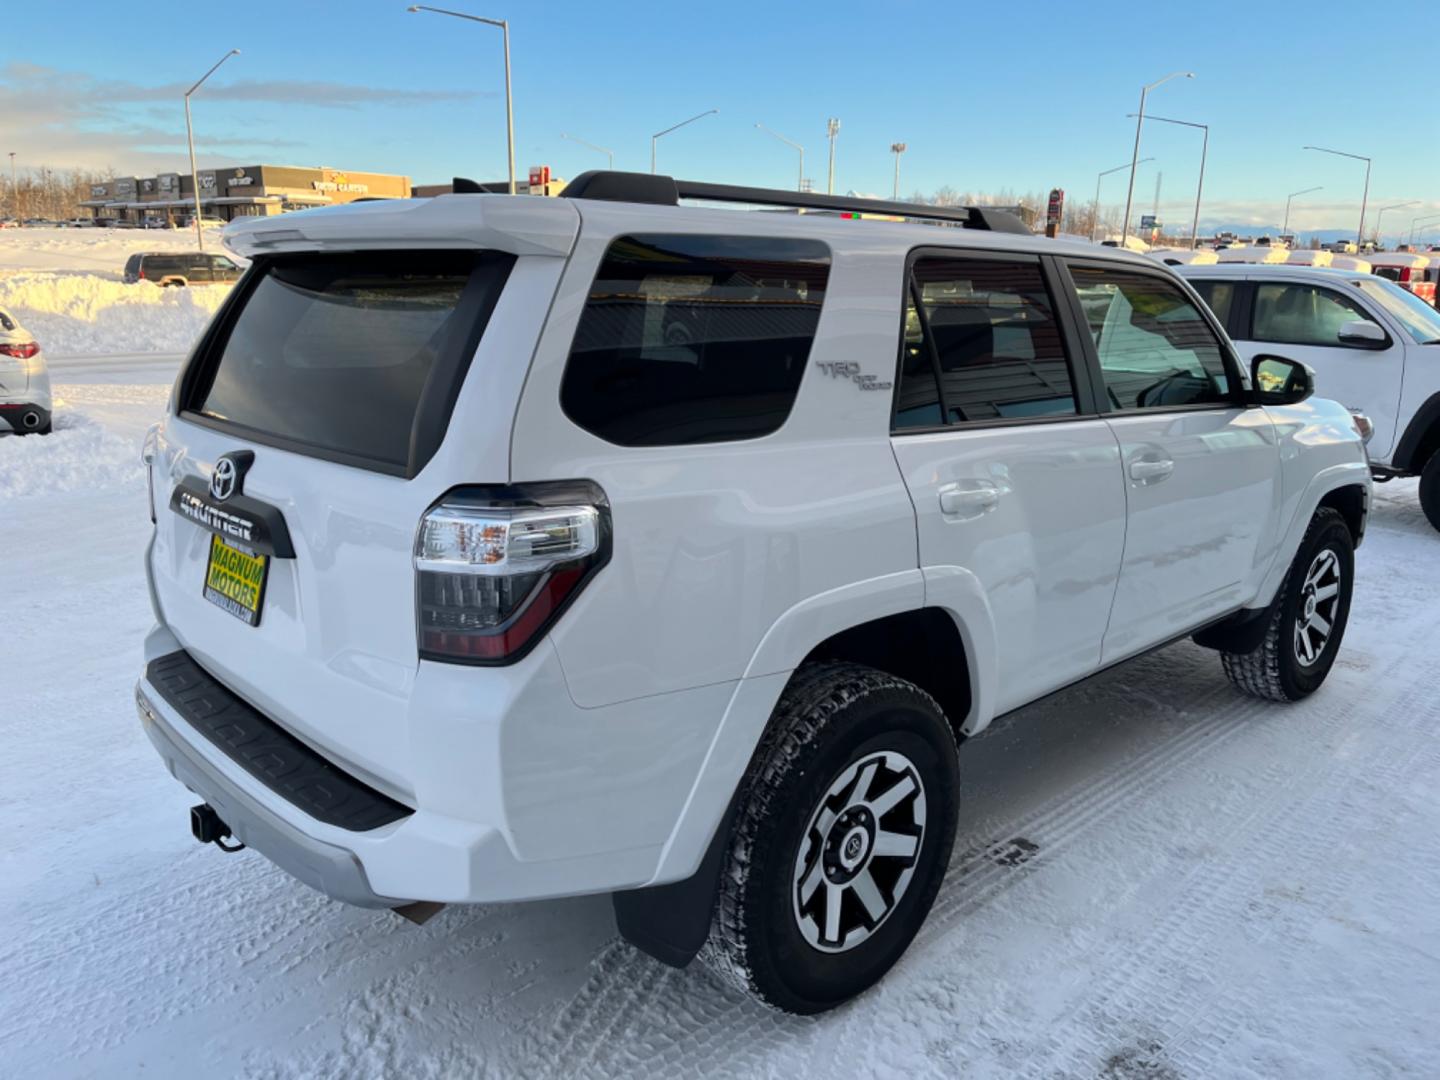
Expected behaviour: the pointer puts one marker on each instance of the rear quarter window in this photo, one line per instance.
(694, 339)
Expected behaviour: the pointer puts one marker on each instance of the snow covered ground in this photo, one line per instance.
(1154, 877)
(65, 286)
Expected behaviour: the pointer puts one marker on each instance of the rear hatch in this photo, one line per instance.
(312, 429)
(16, 348)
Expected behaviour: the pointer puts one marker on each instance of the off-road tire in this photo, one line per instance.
(831, 716)
(1430, 489)
(1273, 670)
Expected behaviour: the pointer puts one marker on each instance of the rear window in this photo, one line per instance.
(694, 339)
(355, 357)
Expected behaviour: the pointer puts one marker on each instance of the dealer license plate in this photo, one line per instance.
(235, 580)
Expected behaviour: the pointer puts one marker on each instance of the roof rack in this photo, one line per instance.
(667, 191)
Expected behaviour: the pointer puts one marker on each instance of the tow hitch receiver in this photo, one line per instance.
(206, 826)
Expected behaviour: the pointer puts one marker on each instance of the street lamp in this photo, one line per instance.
(1095, 215)
(800, 185)
(190, 138)
(504, 26)
(1200, 186)
(655, 138)
(1381, 213)
(608, 153)
(1417, 220)
(1285, 226)
(1135, 154)
(1360, 231)
(832, 128)
(897, 148)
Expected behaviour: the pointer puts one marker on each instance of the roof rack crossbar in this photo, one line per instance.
(645, 188)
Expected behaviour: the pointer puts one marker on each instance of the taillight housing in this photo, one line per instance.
(23, 351)
(496, 566)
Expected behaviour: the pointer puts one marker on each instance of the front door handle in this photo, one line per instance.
(1147, 472)
(970, 501)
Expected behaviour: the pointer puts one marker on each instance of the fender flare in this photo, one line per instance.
(1331, 478)
(669, 917)
(1425, 419)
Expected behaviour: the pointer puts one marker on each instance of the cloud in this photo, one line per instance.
(69, 119)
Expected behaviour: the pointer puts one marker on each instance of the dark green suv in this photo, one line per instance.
(180, 268)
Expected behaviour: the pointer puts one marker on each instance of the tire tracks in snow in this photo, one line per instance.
(1169, 998)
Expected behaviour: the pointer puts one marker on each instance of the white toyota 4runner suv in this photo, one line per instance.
(1373, 345)
(518, 547)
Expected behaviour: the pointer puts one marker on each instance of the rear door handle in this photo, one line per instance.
(1147, 472)
(969, 502)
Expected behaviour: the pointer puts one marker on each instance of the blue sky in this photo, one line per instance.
(987, 97)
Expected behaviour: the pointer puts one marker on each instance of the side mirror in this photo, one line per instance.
(1362, 334)
(1278, 381)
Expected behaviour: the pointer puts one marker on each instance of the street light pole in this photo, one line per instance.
(1364, 198)
(608, 153)
(656, 137)
(832, 128)
(1135, 154)
(504, 26)
(897, 149)
(190, 139)
(1381, 213)
(1285, 225)
(1095, 214)
(1416, 221)
(800, 183)
(1200, 186)
(14, 189)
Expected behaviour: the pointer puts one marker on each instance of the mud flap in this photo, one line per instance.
(671, 922)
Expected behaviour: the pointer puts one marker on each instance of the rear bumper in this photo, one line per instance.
(24, 416)
(330, 868)
(529, 802)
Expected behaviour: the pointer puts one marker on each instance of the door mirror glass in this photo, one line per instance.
(1278, 381)
(1365, 335)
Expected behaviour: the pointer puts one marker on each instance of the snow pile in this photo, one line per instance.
(81, 454)
(85, 313)
(101, 251)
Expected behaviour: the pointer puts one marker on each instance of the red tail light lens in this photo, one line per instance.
(495, 567)
(24, 351)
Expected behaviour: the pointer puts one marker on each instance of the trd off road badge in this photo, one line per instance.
(849, 369)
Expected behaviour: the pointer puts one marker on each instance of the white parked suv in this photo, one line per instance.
(511, 548)
(25, 400)
(1373, 345)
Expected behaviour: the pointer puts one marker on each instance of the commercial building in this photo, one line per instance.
(248, 191)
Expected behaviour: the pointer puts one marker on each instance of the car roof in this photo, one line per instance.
(1226, 270)
(472, 210)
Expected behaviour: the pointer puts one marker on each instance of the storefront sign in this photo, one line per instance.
(169, 182)
(97, 190)
(340, 182)
(207, 181)
(240, 179)
(125, 189)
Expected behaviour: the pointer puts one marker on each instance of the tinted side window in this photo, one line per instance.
(1155, 347)
(694, 339)
(1219, 296)
(982, 344)
(1302, 314)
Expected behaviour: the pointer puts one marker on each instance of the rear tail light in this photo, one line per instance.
(496, 566)
(24, 351)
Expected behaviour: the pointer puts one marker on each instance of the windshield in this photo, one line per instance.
(1420, 320)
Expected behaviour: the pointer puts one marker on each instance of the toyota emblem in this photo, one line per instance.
(222, 480)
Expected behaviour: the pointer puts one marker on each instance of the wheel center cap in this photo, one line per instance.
(854, 847)
(1310, 607)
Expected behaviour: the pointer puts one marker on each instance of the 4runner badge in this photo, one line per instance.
(849, 369)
